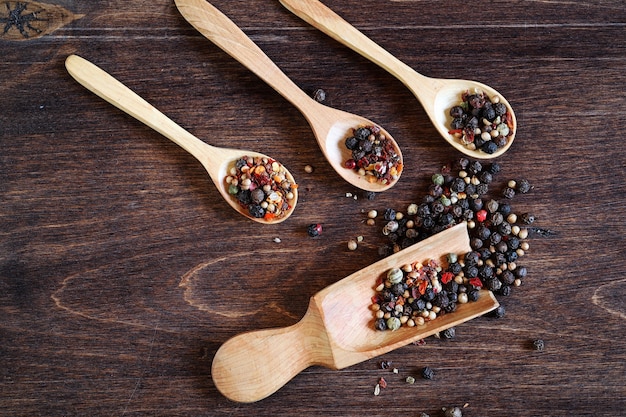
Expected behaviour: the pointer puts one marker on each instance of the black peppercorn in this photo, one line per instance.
(511, 256)
(397, 289)
(457, 111)
(462, 163)
(449, 333)
(504, 228)
(475, 167)
(471, 258)
(500, 109)
(485, 272)
(473, 295)
(505, 209)
(505, 290)
(381, 324)
(493, 284)
(482, 189)
(486, 177)
(523, 186)
(507, 277)
(508, 192)
(496, 219)
(362, 133)
(418, 304)
(314, 229)
(390, 214)
(370, 195)
(471, 271)
(256, 211)
(451, 307)
(455, 268)
(513, 243)
(352, 143)
(499, 312)
(484, 253)
(458, 185)
(428, 373)
(483, 232)
(489, 147)
(528, 218)
(476, 243)
(494, 167)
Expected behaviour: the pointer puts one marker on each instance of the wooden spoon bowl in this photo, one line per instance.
(216, 161)
(337, 330)
(437, 95)
(330, 126)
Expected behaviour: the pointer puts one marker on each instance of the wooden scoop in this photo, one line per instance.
(337, 330)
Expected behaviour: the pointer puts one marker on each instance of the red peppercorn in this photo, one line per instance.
(481, 215)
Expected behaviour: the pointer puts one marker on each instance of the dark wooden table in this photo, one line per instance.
(122, 270)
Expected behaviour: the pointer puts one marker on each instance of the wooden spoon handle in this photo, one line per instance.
(108, 88)
(254, 365)
(224, 33)
(321, 17)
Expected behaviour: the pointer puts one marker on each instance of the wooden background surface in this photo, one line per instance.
(122, 271)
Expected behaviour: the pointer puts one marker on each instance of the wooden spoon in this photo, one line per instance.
(437, 95)
(330, 126)
(216, 161)
(337, 330)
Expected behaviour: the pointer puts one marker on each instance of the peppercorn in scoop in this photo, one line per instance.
(498, 236)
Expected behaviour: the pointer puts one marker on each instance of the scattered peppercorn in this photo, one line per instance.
(319, 95)
(373, 155)
(314, 229)
(428, 373)
(449, 333)
(499, 312)
(452, 412)
(539, 345)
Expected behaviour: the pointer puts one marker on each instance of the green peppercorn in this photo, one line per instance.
(393, 323)
(437, 179)
(395, 276)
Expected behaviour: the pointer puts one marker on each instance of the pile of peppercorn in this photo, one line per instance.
(419, 292)
(262, 186)
(481, 123)
(373, 155)
(498, 236)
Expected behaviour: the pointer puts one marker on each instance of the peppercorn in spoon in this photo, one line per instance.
(337, 330)
(479, 133)
(223, 165)
(331, 127)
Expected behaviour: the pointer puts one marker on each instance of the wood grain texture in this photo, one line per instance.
(122, 271)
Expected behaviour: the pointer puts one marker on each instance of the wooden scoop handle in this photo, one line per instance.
(254, 365)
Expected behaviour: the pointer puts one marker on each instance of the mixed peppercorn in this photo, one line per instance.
(374, 156)
(262, 186)
(481, 123)
(419, 292)
(498, 238)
